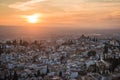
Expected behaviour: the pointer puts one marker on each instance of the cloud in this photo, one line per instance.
(103, 0)
(73, 11)
(61, 5)
(23, 6)
(113, 17)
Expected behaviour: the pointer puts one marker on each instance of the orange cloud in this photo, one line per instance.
(23, 6)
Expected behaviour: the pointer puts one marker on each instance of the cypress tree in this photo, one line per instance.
(15, 76)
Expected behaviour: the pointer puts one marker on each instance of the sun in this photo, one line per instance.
(33, 18)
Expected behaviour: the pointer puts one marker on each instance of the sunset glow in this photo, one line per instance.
(33, 18)
(90, 14)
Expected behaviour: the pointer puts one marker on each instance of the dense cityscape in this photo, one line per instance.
(59, 39)
(82, 58)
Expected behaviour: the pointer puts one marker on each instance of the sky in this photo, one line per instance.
(88, 14)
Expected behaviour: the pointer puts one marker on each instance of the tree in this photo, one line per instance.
(48, 70)
(21, 42)
(15, 76)
(82, 72)
(60, 73)
(62, 58)
(5, 77)
(1, 51)
(8, 42)
(10, 75)
(43, 75)
(14, 42)
(35, 42)
(91, 53)
(25, 43)
(105, 49)
(38, 73)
